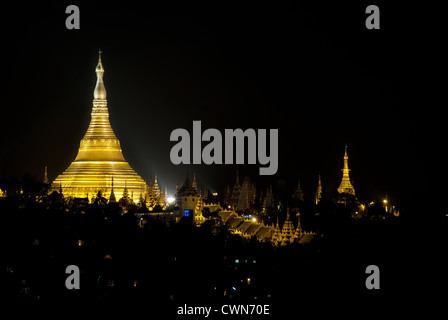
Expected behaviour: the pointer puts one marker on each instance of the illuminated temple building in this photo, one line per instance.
(100, 162)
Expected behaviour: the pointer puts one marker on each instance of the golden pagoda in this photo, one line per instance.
(100, 164)
(346, 186)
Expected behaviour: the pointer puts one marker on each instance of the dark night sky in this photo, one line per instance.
(314, 72)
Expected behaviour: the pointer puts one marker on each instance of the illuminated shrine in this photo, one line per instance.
(100, 164)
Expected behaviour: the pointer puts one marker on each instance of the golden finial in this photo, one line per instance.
(99, 67)
(100, 90)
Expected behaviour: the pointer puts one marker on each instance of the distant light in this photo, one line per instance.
(170, 200)
(215, 194)
(233, 288)
(254, 219)
(248, 281)
(254, 261)
(237, 261)
(385, 201)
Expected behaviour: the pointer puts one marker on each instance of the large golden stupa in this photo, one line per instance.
(100, 164)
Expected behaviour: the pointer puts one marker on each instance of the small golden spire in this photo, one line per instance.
(346, 186)
(318, 195)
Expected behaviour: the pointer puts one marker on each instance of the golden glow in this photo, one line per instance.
(346, 186)
(99, 157)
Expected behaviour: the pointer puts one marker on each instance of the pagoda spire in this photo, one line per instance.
(299, 232)
(194, 184)
(177, 189)
(45, 175)
(100, 89)
(298, 194)
(156, 189)
(125, 190)
(100, 135)
(346, 186)
(318, 195)
(276, 237)
(112, 195)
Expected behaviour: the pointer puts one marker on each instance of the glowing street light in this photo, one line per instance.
(170, 200)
